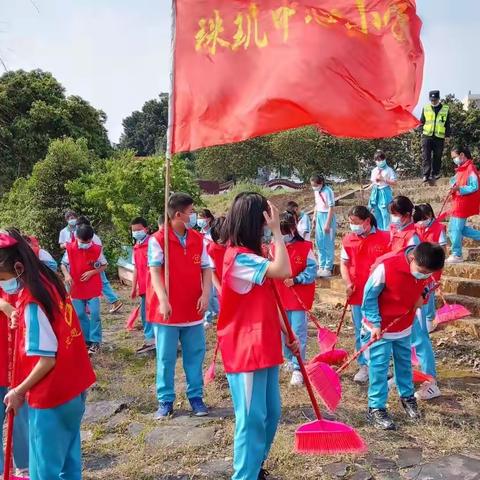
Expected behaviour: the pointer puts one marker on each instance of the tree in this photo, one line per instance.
(124, 187)
(145, 132)
(36, 205)
(34, 110)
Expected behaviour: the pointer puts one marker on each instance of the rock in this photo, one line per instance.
(134, 429)
(101, 411)
(383, 464)
(86, 435)
(188, 420)
(107, 439)
(216, 469)
(388, 476)
(171, 436)
(117, 420)
(338, 469)
(409, 457)
(361, 474)
(100, 463)
(453, 467)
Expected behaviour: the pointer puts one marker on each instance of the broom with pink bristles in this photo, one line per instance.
(450, 312)
(324, 437)
(210, 373)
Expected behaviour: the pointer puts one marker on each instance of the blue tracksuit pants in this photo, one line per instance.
(213, 306)
(357, 323)
(147, 326)
(192, 340)
(257, 405)
(20, 434)
(107, 289)
(378, 357)
(422, 343)
(379, 202)
(457, 229)
(91, 322)
(55, 449)
(298, 321)
(325, 242)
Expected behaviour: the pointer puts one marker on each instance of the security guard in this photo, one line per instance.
(435, 120)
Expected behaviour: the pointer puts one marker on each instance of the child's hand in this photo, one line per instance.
(14, 320)
(13, 401)
(294, 346)
(165, 309)
(376, 333)
(272, 218)
(87, 275)
(6, 308)
(350, 289)
(327, 229)
(454, 188)
(68, 280)
(288, 282)
(202, 303)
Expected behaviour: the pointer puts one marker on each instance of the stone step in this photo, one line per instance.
(461, 286)
(463, 270)
(471, 303)
(469, 325)
(334, 283)
(473, 255)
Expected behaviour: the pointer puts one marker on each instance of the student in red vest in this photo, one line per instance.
(82, 265)
(141, 237)
(395, 289)
(360, 250)
(53, 370)
(402, 229)
(216, 251)
(249, 330)
(42, 254)
(465, 190)
(177, 316)
(429, 230)
(302, 284)
(20, 427)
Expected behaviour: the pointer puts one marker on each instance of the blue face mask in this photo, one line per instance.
(72, 222)
(84, 246)
(382, 164)
(267, 234)
(139, 235)
(357, 229)
(457, 161)
(288, 238)
(202, 222)
(395, 220)
(192, 220)
(11, 286)
(421, 276)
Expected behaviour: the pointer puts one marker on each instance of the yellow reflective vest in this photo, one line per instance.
(435, 125)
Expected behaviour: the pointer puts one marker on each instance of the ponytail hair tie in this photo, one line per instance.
(7, 241)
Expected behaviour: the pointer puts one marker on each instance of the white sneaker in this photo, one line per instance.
(297, 379)
(288, 367)
(206, 325)
(427, 391)
(21, 472)
(454, 259)
(362, 375)
(322, 273)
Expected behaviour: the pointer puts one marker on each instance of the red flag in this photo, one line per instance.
(247, 68)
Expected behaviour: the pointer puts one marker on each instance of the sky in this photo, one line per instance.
(115, 53)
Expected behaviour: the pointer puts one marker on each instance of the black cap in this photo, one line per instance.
(434, 95)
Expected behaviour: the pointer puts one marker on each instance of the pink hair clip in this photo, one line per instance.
(7, 241)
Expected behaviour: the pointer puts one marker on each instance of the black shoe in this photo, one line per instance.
(411, 407)
(379, 418)
(263, 474)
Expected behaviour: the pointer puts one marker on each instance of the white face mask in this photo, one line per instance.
(395, 220)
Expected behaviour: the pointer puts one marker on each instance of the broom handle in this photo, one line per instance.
(12, 340)
(291, 338)
(369, 344)
(444, 203)
(340, 323)
(310, 315)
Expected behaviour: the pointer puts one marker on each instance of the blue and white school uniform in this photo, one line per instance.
(304, 226)
(191, 336)
(47, 260)
(324, 201)
(256, 394)
(107, 290)
(298, 318)
(381, 196)
(213, 304)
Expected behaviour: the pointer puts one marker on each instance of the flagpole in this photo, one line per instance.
(168, 153)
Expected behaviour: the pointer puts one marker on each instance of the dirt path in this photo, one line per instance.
(123, 441)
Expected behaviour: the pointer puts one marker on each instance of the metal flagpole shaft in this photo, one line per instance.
(168, 154)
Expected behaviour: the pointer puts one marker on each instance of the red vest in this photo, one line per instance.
(399, 239)
(431, 234)
(73, 372)
(82, 261)
(400, 293)
(217, 253)
(4, 350)
(248, 330)
(363, 252)
(185, 280)
(464, 206)
(140, 253)
(298, 254)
